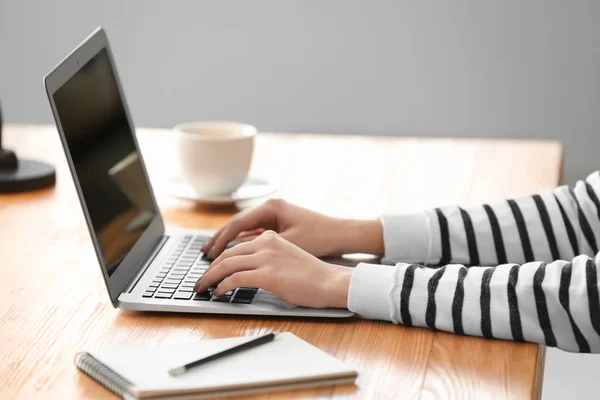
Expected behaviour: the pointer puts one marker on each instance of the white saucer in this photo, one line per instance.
(253, 188)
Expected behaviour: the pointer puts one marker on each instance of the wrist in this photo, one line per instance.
(337, 286)
(360, 236)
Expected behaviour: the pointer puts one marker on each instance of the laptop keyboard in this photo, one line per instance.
(177, 276)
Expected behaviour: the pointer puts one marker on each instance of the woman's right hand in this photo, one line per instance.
(316, 233)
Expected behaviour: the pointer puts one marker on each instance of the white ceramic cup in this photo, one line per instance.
(215, 157)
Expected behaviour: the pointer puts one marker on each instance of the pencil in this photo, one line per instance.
(232, 350)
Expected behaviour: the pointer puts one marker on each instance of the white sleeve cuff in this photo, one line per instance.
(408, 238)
(370, 291)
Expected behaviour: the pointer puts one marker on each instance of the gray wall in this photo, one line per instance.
(524, 69)
(434, 68)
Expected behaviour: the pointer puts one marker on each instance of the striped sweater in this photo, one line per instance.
(532, 271)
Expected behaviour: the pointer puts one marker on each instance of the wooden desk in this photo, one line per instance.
(53, 302)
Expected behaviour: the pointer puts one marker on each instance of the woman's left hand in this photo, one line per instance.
(272, 263)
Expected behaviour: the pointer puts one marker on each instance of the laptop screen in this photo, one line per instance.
(107, 164)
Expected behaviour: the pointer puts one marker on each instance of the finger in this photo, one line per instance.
(241, 249)
(247, 238)
(237, 280)
(208, 245)
(243, 222)
(225, 268)
(254, 232)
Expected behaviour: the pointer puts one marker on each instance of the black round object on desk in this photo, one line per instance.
(22, 175)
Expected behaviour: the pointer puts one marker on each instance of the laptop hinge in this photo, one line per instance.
(142, 270)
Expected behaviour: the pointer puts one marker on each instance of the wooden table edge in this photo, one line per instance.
(538, 380)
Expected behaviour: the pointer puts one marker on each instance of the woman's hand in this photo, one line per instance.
(316, 233)
(272, 263)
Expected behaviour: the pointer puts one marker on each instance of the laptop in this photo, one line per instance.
(144, 267)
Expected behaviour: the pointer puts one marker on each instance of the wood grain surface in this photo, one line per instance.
(53, 302)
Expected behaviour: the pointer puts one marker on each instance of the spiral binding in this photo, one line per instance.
(103, 374)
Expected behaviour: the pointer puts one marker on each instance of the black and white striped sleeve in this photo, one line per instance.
(541, 284)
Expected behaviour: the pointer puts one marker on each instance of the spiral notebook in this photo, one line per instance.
(286, 363)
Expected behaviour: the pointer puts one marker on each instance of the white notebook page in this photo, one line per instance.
(286, 358)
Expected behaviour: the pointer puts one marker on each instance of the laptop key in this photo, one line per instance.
(242, 300)
(148, 294)
(245, 292)
(243, 297)
(179, 295)
(186, 289)
(221, 299)
(166, 290)
(163, 295)
(204, 296)
(169, 286)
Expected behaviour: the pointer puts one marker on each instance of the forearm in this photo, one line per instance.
(555, 304)
(358, 236)
(552, 225)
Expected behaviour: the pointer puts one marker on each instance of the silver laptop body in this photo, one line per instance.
(144, 267)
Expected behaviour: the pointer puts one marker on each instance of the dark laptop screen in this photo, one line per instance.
(107, 164)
